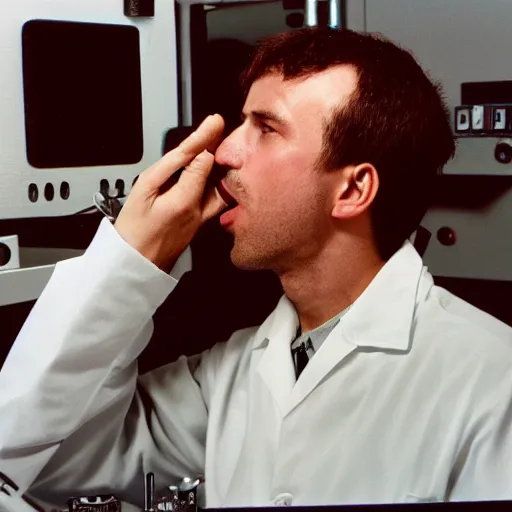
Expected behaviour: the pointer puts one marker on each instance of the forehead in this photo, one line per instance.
(311, 98)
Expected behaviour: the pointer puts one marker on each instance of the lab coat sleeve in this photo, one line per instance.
(484, 471)
(69, 381)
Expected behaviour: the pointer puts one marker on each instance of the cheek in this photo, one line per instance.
(287, 174)
(287, 196)
(276, 173)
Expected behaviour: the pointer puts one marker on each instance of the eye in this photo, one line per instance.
(265, 128)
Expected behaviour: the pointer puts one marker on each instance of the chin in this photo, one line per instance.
(246, 264)
(244, 260)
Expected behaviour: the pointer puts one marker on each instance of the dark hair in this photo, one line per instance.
(396, 119)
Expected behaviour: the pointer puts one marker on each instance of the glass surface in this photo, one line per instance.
(82, 87)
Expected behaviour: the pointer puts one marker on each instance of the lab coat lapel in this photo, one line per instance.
(332, 352)
(276, 367)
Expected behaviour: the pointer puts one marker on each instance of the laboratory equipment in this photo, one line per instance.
(87, 98)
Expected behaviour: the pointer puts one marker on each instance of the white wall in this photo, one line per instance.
(459, 41)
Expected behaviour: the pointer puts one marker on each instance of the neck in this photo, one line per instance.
(323, 287)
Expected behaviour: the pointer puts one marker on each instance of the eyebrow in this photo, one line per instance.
(265, 115)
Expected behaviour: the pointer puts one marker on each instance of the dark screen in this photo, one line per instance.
(82, 87)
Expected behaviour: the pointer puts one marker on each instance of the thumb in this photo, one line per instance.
(213, 204)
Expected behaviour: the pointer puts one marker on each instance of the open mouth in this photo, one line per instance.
(227, 197)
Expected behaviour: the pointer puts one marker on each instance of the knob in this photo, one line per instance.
(5, 255)
(503, 151)
(446, 236)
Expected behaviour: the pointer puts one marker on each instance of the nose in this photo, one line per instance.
(229, 153)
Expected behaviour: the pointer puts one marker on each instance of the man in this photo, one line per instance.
(367, 384)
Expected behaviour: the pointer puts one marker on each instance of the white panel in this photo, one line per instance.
(12, 245)
(456, 41)
(37, 266)
(460, 41)
(356, 15)
(159, 89)
(484, 242)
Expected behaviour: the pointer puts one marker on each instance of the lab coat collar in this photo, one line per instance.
(382, 315)
(283, 321)
(380, 318)
(276, 365)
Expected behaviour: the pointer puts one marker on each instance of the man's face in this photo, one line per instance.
(283, 217)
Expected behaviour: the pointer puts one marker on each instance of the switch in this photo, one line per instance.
(462, 119)
(499, 122)
(477, 117)
(283, 499)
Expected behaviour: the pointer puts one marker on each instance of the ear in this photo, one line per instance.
(356, 192)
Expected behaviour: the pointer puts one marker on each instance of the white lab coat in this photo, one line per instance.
(408, 399)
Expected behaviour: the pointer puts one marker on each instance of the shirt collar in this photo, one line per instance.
(381, 317)
(319, 334)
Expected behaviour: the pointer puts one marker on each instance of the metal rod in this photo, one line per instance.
(149, 492)
(311, 13)
(337, 13)
(185, 65)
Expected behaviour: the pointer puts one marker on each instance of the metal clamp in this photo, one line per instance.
(183, 497)
(108, 206)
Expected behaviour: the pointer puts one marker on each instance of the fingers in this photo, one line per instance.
(213, 204)
(193, 179)
(217, 137)
(193, 182)
(207, 135)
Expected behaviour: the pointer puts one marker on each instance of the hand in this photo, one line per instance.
(159, 221)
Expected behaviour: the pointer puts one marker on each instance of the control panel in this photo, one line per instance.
(88, 91)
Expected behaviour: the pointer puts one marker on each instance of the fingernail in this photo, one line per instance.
(217, 193)
(204, 154)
